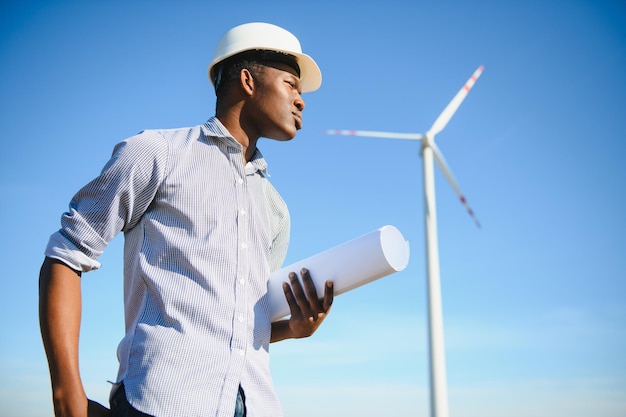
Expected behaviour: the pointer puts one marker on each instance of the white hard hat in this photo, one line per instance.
(265, 36)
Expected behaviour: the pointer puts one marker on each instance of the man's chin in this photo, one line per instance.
(283, 136)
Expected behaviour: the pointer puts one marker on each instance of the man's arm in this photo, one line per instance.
(308, 311)
(59, 319)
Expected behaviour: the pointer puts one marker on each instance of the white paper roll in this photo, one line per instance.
(350, 265)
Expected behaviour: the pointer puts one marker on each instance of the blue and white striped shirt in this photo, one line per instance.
(203, 230)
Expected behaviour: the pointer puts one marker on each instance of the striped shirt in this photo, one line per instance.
(203, 230)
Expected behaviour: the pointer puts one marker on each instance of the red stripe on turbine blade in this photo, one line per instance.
(469, 210)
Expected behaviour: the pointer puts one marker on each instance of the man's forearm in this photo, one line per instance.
(59, 318)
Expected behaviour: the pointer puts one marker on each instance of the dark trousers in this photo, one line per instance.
(120, 407)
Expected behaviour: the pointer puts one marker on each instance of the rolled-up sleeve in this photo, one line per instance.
(113, 202)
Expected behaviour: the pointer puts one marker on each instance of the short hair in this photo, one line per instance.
(230, 68)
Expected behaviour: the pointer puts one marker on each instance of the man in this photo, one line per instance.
(203, 229)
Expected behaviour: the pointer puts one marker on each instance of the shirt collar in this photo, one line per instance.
(214, 127)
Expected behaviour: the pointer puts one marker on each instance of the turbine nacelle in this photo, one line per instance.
(428, 140)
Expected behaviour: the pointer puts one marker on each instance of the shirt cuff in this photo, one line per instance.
(62, 249)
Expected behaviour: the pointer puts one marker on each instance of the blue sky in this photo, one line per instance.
(534, 302)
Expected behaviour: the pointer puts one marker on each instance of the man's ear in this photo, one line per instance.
(246, 81)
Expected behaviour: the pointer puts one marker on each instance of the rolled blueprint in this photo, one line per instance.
(350, 265)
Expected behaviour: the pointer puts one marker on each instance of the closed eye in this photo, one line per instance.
(293, 83)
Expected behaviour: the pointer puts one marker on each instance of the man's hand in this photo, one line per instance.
(308, 311)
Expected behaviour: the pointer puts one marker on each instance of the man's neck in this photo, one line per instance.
(247, 142)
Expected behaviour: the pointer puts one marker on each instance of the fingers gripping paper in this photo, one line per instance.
(350, 265)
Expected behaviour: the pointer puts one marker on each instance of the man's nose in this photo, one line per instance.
(299, 103)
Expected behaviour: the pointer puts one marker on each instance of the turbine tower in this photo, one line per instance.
(430, 151)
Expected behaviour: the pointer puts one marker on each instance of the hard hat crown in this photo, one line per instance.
(265, 36)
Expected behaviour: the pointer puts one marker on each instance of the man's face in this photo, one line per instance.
(278, 102)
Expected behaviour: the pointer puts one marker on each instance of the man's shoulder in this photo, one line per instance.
(172, 143)
(171, 138)
(168, 133)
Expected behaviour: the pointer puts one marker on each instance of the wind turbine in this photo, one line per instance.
(438, 386)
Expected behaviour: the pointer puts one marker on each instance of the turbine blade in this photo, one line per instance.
(386, 135)
(454, 104)
(448, 173)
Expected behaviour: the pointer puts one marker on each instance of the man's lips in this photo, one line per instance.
(298, 118)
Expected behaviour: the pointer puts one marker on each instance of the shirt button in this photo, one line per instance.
(240, 180)
(242, 281)
(242, 212)
(244, 245)
(240, 318)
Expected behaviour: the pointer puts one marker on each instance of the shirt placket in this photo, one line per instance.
(240, 313)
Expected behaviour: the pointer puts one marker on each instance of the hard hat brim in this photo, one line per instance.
(310, 74)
